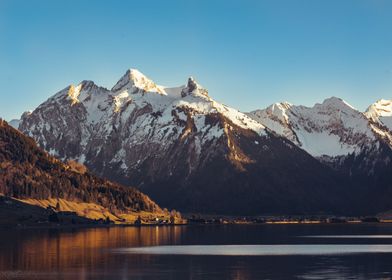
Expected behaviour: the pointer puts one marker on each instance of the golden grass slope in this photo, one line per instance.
(95, 212)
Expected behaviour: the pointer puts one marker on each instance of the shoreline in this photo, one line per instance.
(89, 226)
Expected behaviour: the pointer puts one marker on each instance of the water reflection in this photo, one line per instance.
(350, 236)
(56, 249)
(259, 250)
(87, 254)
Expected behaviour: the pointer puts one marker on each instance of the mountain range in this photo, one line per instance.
(190, 152)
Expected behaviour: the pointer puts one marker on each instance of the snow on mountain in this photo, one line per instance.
(190, 152)
(138, 110)
(381, 113)
(180, 146)
(331, 129)
(134, 79)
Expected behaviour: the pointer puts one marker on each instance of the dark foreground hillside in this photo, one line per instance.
(29, 173)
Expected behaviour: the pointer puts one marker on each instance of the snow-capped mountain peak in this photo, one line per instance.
(332, 128)
(135, 111)
(336, 104)
(281, 106)
(78, 93)
(134, 80)
(279, 110)
(381, 113)
(193, 88)
(382, 107)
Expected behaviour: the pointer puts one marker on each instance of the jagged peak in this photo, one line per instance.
(86, 84)
(383, 102)
(280, 106)
(133, 78)
(72, 92)
(382, 107)
(279, 110)
(193, 87)
(192, 84)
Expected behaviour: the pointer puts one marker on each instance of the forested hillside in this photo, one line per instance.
(27, 171)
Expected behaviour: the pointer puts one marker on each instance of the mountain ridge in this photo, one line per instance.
(331, 115)
(187, 150)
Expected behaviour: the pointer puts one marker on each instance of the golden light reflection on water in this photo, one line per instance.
(55, 249)
(89, 254)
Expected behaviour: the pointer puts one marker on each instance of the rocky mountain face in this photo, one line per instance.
(28, 172)
(353, 143)
(184, 149)
(330, 131)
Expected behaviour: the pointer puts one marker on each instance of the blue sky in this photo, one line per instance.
(249, 54)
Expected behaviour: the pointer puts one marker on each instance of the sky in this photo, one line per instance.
(248, 54)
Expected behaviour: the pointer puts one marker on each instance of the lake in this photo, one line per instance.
(325, 251)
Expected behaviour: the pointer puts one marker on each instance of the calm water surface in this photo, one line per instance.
(362, 251)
